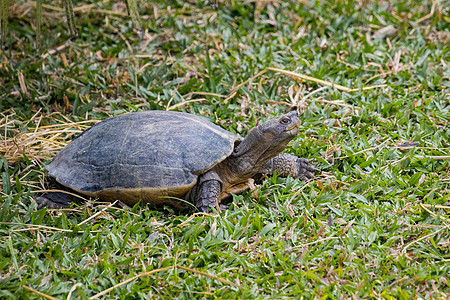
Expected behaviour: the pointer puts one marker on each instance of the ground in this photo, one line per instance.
(371, 79)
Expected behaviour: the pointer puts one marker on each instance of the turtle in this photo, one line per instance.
(162, 157)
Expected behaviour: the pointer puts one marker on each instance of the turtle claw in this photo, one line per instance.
(43, 202)
(224, 207)
(305, 170)
(289, 165)
(212, 209)
(54, 200)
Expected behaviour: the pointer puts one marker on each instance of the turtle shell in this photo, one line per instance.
(151, 156)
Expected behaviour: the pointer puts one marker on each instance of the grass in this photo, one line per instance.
(376, 222)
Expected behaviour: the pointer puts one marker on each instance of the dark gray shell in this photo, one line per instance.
(150, 156)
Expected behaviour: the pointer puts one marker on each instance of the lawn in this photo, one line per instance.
(372, 81)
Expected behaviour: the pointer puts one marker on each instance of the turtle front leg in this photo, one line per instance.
(289, 165)
(206, 194)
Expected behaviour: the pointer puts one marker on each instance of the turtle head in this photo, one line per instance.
(263, 143)
(279, 131)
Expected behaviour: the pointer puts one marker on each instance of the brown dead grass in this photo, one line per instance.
(39, 138)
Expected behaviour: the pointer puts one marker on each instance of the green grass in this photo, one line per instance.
(376, 223)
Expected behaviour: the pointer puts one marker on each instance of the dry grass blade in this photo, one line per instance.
(46, 6)
(422, 238)
(82, 8)
(119, 209)
(74, 287)
(185, 102)
(309, 78)
(365, 150)
(55, 50)
(315, 242)
(301, 76)
(22, 84)
(208, 275)
(192, 217)
(160, 270)
(322, 82)
(34, 227)
(435, 206)
(97, 213)
(432, 213)
(437, 157)
(299, 191)
(426, 17)
(129, 280)
(33, 140)
(37, 227)
(236, 88)
(347, 227)
(195, 292)
(39, 293)
(204, 94)
(338, 103)
(446, 226)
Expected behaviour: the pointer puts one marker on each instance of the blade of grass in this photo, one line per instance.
(4, 20)
(38, 23)
(13, 255)
(134, 14)
(70, 17)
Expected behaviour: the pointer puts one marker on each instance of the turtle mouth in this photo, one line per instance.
(293, 127)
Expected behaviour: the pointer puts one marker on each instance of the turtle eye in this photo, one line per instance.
(285, 121)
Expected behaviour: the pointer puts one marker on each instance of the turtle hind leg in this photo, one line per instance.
(55, 200)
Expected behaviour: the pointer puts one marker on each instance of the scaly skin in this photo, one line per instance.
(289, 165)
(257, 153)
